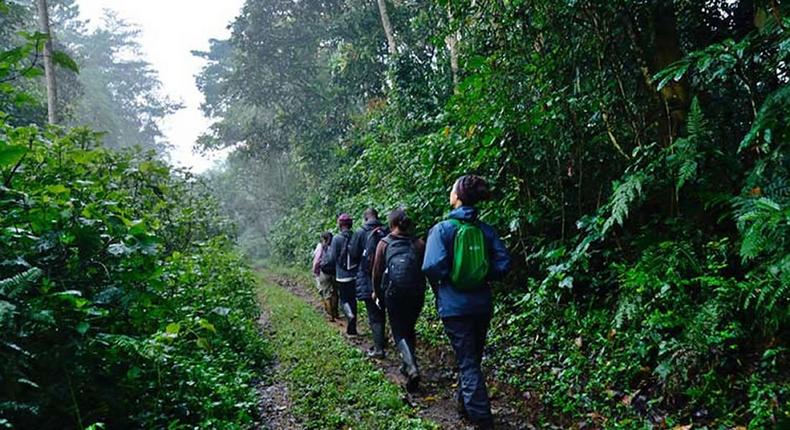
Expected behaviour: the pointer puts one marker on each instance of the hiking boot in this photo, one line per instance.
(348, 312)
(376, 353)
(413, 384)
(459, 404)
(377, 330)
(409, 367)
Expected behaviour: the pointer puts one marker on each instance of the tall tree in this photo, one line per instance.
(121, 93)
(49, 63)
(387, 25)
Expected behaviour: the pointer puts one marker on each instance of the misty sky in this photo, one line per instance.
(171, 29)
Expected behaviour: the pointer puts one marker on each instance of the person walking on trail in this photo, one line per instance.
(363, 246)
(345, 272)
(400, 288)
(325, 276)
(462, 256)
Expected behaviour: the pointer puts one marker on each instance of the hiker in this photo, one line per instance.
(400, 288)
(363, 246)
(324, 276)
(462, 256)
(345, 272)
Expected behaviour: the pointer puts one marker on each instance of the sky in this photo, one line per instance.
(171, 29)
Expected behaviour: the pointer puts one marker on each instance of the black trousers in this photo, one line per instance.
(468, 337)
(403, 314)
(348, 295)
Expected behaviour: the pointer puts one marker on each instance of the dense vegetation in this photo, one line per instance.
(639, 153)
(123, 303)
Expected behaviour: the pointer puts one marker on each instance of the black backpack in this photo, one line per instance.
(403, 273)
(324, 264)
(372, 239)
(344, 259)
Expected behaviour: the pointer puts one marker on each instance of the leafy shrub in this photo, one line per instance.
(122, 301)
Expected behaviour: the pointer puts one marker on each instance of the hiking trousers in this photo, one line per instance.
(468, 338)
(403, 314)
(326, 285)
(348, 296)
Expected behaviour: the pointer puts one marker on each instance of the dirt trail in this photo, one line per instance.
(274, 404)
(435, 399)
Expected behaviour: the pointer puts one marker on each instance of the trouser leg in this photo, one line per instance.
(327, 289)
(348, 303)
(467, 336)
(377, 318)
(403, 314)
(334, 300)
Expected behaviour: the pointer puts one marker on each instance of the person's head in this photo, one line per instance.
(370, 214)
(400, 222)
(344, 221)
(326, 238)
(468, 190)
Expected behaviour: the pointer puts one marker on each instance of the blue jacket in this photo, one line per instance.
(438, 263)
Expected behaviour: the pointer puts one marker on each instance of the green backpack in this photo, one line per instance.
(470, 256)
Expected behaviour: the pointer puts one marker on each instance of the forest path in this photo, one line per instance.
(434, 401)
(274, 404)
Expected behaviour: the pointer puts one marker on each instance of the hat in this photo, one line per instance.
(344, 219)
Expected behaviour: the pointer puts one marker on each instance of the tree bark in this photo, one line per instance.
(666, 51)
(385, 22)
(452, 45)
(49, 65)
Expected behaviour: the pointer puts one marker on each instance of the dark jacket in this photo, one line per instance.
(438, 263)
(358, 242)
(335, 250)
(380, 260)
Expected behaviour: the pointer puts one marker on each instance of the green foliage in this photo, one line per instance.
(638, 157)
(122, 302)
(331, 384)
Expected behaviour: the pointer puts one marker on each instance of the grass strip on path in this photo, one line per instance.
(332, 386)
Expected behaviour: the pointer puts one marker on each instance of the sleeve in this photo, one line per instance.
(500, 257)
(436, 264)
(317, 260)
(332, 251)
(355, 247)
(377, 271)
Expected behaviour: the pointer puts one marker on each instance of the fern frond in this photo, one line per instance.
(625, 194)
(14, 285)
(686, 150)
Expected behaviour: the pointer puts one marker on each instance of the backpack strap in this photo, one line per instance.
(387, 241)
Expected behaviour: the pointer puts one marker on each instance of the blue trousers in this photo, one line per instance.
(468, 338)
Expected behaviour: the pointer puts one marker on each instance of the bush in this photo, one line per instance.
(122, 301)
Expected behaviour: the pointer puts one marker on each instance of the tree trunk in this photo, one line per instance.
(666, 51)
(385, 22)
(49, 66)
(452, 45)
